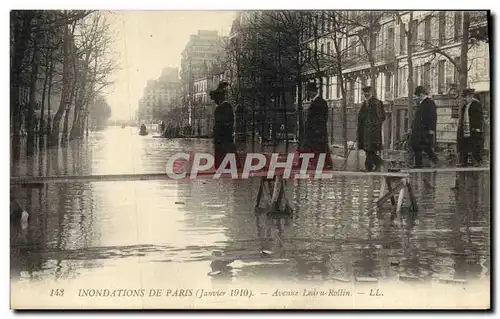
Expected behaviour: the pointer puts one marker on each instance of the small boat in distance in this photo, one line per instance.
(123, 125)
(143, 130)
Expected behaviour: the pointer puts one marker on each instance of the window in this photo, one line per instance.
(402, 38)
(366, 43)
(316, 25)
(322, 49)
(334, 87)
(442, 27)
(427, 76)
(450, 70)
(327, 88)
(328, 48)
(363, 81)
(415, 32)
(456, 75)
(415, 76)
(458, 25)
(427, 36)
(323, 20)
(441, 67)
(390, 39)
(405, 81)
(339, 89)
(388, 79)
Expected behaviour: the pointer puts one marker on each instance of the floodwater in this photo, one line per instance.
(202, 230)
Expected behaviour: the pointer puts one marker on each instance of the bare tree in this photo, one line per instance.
(340, 59)
(365, 25)
(411, 36)
(92, 65)
(464, 28)
(270, 66)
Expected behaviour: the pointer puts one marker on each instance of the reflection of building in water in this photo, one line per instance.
(450, 239)
(336, 219)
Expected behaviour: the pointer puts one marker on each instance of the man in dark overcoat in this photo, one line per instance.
(371, 116)
(316, 133)
(223, 125)
(470, 136)
(424, 127)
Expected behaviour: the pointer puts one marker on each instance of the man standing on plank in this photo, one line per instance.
(316, 134)
(371, 116)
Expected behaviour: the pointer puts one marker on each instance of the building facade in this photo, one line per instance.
(203, 107)
(161, 98)
(378, 44)
(200, 53)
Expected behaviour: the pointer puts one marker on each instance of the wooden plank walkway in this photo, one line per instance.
(163, 176)
(446, 169)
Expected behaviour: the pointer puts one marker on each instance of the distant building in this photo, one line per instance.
(200, 53)
(161, 96)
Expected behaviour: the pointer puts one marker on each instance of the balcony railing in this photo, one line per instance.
(382, 55)
(386, 54)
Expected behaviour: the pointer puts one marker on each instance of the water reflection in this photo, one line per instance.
(206, 228)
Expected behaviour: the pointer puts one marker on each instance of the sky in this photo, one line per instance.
(148, 41)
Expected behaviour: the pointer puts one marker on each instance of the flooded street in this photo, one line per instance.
(180, 234)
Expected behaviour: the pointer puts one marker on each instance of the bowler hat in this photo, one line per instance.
(222, 87)
(367, 89)
(467, 92)
(311, 86)
(419, 90)
(219, 91)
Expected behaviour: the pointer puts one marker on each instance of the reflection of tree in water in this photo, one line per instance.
(23, 241)
(60, 219)
(470, 227)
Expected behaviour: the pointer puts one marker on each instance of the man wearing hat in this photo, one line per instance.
(423, 127)
(316, 134)
(371, 116)
(470, 137)
(224, 124)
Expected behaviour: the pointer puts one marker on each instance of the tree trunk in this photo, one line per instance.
(44, 94)
(344, 113)
(87, 125)
(464, 63)
(64, 137)
(46, 82)
(371, 58)
(30, 120)
(76, 126)
(65, 90)
(20, 42)
(340, 80)
(409, 48)
(300, 108)
(463, 70)
(49, 92)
